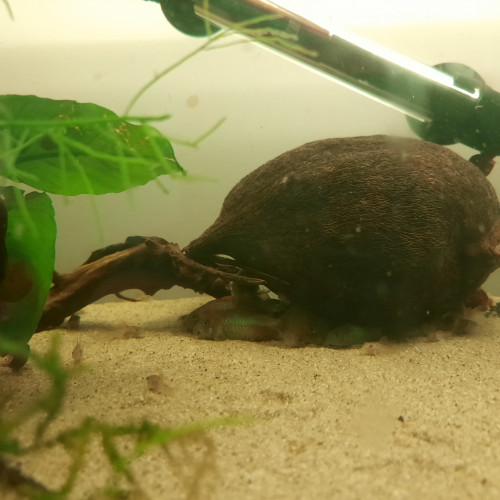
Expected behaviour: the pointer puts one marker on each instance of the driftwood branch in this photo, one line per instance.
(147, 264)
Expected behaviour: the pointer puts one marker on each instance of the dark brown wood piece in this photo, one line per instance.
(151, 264)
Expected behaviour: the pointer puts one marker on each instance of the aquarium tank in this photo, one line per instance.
(226, 103)
(131, 136)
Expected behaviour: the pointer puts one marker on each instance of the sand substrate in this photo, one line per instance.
(417, 419)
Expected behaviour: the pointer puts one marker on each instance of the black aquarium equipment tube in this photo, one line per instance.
(446, 104)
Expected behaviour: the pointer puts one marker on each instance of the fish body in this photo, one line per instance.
(229, 318)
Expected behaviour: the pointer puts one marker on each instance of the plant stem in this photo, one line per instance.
(81, 121)
(196, 142)
(170, 68)
(9, 10)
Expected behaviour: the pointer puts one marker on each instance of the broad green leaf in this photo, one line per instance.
(70, 148)
(30, 246)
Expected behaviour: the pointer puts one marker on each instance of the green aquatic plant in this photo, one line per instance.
(69, 148)
(59, 147)
(46, 409)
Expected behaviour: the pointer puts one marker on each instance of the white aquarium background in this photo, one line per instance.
(103, 51)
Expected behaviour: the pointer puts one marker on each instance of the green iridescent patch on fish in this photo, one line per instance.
(349, 335)
(246, 321)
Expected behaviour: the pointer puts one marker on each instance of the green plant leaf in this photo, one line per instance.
(30, 247)
(71, 148)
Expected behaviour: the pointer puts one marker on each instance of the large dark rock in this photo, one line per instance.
(379, 230)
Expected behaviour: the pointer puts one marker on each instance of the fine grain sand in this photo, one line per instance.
(417, 419)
